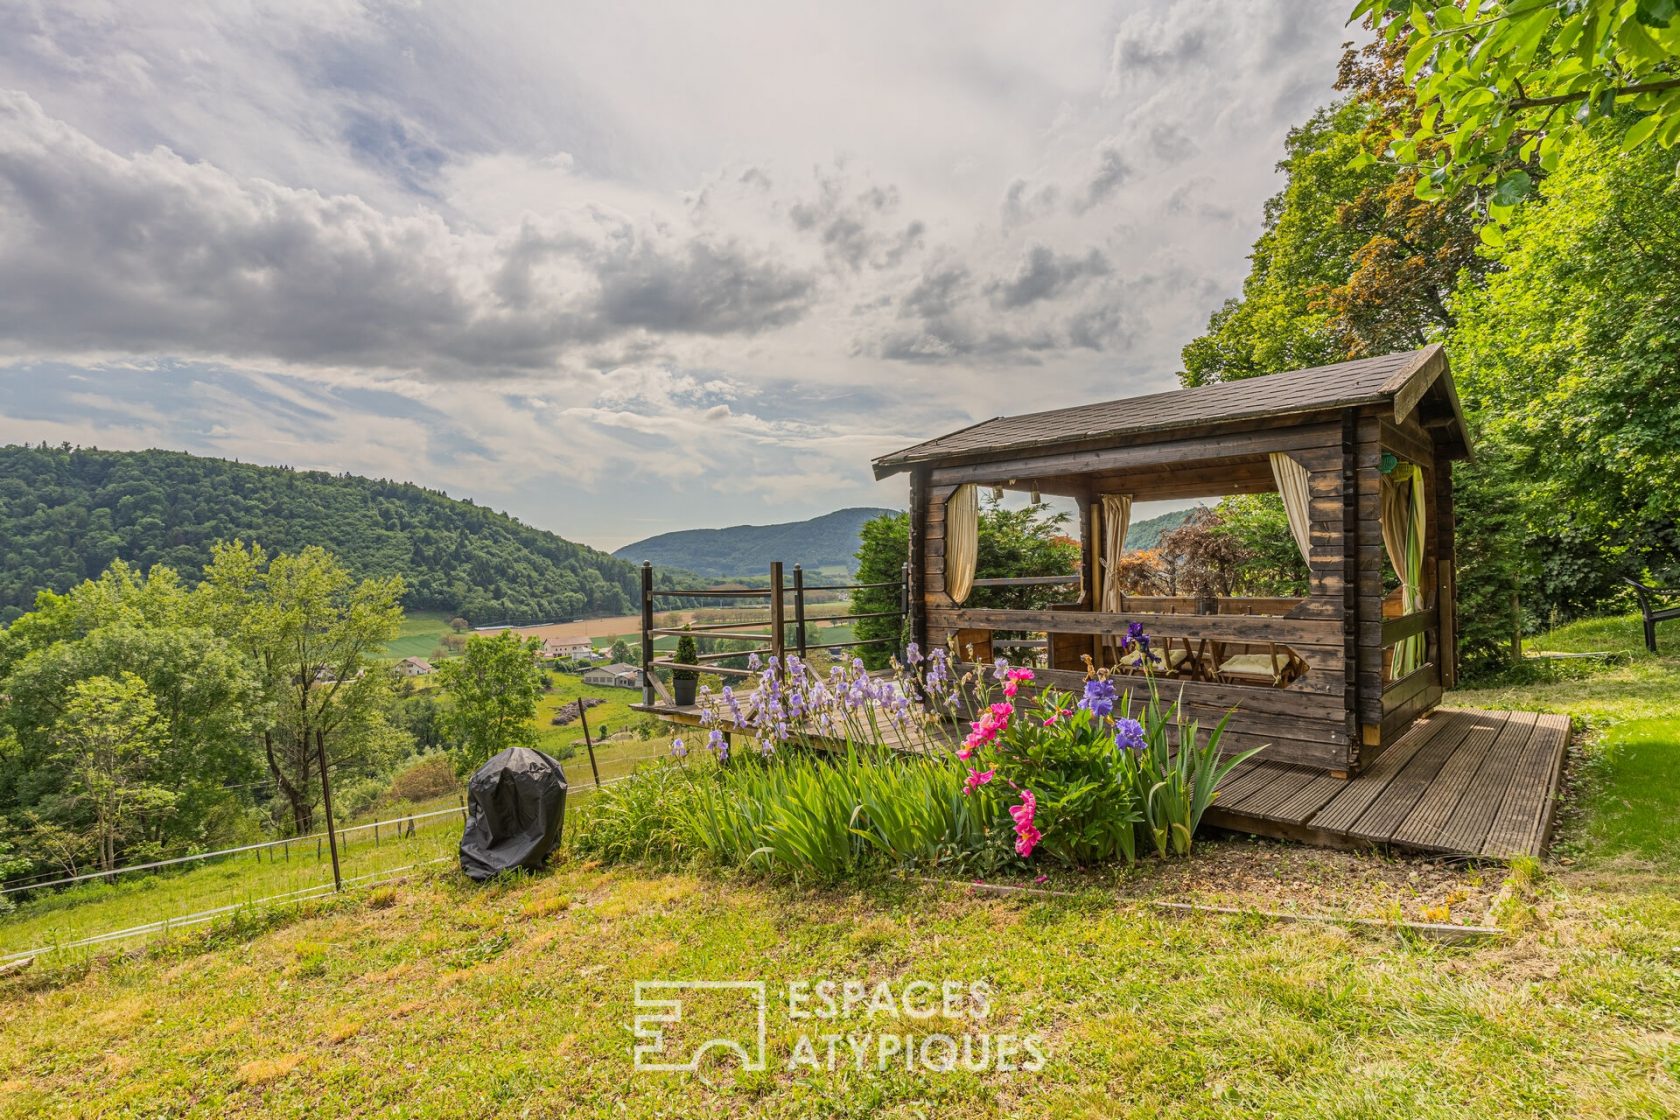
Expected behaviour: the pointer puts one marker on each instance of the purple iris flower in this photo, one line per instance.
(1128, 734)
(1099, 697)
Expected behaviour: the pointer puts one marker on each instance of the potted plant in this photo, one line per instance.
(683, 681)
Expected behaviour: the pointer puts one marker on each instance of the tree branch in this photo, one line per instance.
(1521, 103)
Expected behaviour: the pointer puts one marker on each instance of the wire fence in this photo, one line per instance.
(86, 911)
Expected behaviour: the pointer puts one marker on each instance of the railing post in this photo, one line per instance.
(647, 632)
(799, 610)
(778, 616)
(904, 635)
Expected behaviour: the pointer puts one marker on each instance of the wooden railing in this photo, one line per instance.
(779, 636)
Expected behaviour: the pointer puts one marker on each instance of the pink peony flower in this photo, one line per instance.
(976, 779)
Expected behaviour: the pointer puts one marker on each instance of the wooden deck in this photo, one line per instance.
(1458, 783)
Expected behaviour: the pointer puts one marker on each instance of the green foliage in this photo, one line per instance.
(1563, 332)
(745, 551)
(312, 632)
(1505, 87)
(66, 514)
(1030, 541)
(206, 695)
(107, 744)
(1098, 777)
(687, 653)
(1568, 355)
(493, 689)
(797, 813)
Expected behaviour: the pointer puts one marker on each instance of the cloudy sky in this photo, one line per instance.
(621, 268)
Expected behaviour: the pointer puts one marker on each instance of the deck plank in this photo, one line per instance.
(1339, 814)
(1423, 825)
(1517, 826)
(1467, 828)
(1413, 781)
(1266, 801)
(1232, 795)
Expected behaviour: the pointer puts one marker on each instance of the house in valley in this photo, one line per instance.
(567, 649)
(415, 667)
(616, 675)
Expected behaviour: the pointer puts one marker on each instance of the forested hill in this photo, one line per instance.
(66, 514)
(1147, 534)
(747, 550)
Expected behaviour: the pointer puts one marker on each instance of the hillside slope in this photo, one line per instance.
(66, 514)
(1147, 534)
(747, 550)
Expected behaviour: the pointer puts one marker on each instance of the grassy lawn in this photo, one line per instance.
(433, 997)
(1633, 796)
(421, 631)
(436, 998)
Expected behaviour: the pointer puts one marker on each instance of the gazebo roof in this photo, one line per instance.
(1403, 379)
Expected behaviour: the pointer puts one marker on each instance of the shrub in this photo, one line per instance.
(428, 777)
(688, 654)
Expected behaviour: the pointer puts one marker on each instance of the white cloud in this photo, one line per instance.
(694, 264)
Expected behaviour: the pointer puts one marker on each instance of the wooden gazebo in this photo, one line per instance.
(1361, 452)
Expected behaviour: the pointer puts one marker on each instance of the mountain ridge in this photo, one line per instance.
(67, 512)
(736, 551)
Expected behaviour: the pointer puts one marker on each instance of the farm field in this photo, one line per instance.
(421, 631)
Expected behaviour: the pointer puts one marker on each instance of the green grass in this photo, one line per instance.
(1595, 695)
(1622, 634)
(421, 631)
(1633, 795)
(441, 999)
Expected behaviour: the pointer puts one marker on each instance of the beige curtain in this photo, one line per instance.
(1291, 478)
(1402, 531)
(962, 540)
(1116, 519)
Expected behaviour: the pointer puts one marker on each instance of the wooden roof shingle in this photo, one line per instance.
(1402, 378)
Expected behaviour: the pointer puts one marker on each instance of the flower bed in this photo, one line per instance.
(808, 788)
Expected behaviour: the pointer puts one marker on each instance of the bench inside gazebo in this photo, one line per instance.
(1361, 453)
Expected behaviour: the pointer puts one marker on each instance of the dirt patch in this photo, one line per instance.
(1267, 875)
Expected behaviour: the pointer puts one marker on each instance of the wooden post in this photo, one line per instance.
(647, 632)
(326, 807)
(778, 616)
(916, 588)
(584, 721)
(799, 610)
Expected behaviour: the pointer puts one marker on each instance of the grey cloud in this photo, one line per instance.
(1111, 173)
(855, 228)
(1155, 54)
(706, 289)
(945, 317)
(1044, 274)
(156, 254)
(936, 293)
(1022, 204)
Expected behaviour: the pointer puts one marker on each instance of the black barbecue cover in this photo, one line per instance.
(516, 803)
